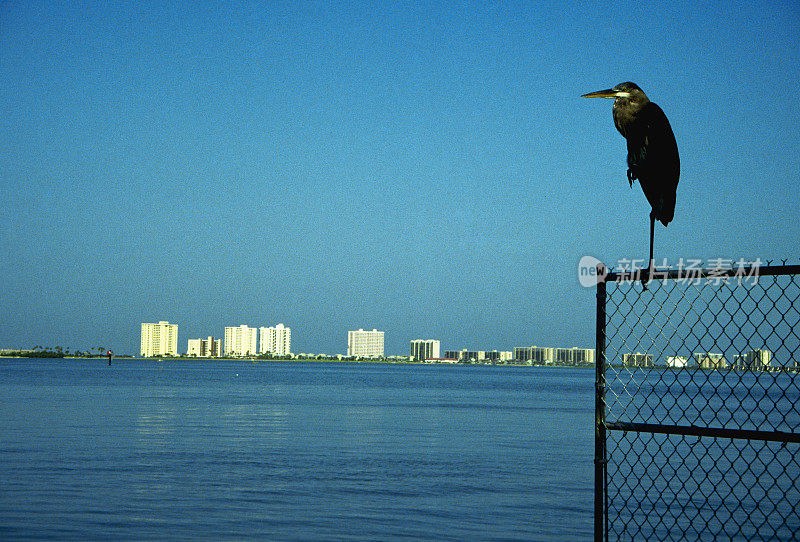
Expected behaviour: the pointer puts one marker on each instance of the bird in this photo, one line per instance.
(653, 157)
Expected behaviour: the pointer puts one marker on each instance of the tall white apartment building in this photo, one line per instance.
(365, 344)
(499, 356)
(574, 356)
(159, 339)
(677, 362)
(757, 359)
(637, 360)
(425, 349)
(204, 348)
(709, 360)
(275, 340)
(241, 341)
(535, 355)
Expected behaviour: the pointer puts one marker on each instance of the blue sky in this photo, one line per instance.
(425, 168)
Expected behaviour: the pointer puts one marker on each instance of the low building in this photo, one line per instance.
(442, 360)
(466, 356)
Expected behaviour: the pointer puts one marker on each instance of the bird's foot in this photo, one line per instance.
(631, 178)
(645, 275)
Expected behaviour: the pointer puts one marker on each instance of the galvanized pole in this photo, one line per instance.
(599, 411)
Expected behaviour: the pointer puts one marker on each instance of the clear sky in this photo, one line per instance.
(424, 168)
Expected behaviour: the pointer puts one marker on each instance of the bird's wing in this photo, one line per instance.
(653, 144)
(653, 159)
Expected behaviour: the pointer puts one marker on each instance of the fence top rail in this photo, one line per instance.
(748, 272)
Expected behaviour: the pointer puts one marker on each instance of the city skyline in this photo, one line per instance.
(425, 168)
(250, 341)
(160, 339)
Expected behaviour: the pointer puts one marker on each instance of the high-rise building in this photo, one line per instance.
(466, 355)
(365, 344)
(754, 360)
(204, 348)
(574, 356)
(275, 340)
(677, 362)
(498, 356)
(241, 341)
(534, 355)
(709, 360)
(637, 360)
(425, 349)
(159, 339)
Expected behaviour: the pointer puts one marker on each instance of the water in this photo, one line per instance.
(684, 487)
(293, 451)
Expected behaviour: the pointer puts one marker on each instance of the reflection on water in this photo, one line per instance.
(157, 423)
(233, 421)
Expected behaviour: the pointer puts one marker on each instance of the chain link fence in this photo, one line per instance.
(698, 406)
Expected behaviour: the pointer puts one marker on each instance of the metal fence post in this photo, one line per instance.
(600, 413)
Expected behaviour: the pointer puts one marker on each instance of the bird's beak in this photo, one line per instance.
(608, 93)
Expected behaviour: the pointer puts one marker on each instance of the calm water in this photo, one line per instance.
(293, 451)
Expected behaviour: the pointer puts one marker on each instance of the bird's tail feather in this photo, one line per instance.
(667, 208)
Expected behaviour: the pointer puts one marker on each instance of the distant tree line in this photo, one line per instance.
(54, 352)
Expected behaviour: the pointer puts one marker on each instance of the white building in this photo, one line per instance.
(365, 344)
(637, 360)
(574, 356)
(677, 362)
(534, 355)
(466, 355)
(275, 340)
(709, 360)
(204, 348)
(442, 360)
(755, 360)
(159, 339)
(422, 350)
(193, 347)
(498, 356)
(241, 341)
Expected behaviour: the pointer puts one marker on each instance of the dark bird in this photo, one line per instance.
(652, 150)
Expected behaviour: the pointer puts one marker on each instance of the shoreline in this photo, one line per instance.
(256, 360)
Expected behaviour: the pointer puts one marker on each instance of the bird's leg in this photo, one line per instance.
(647, 274)
(631, 177)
